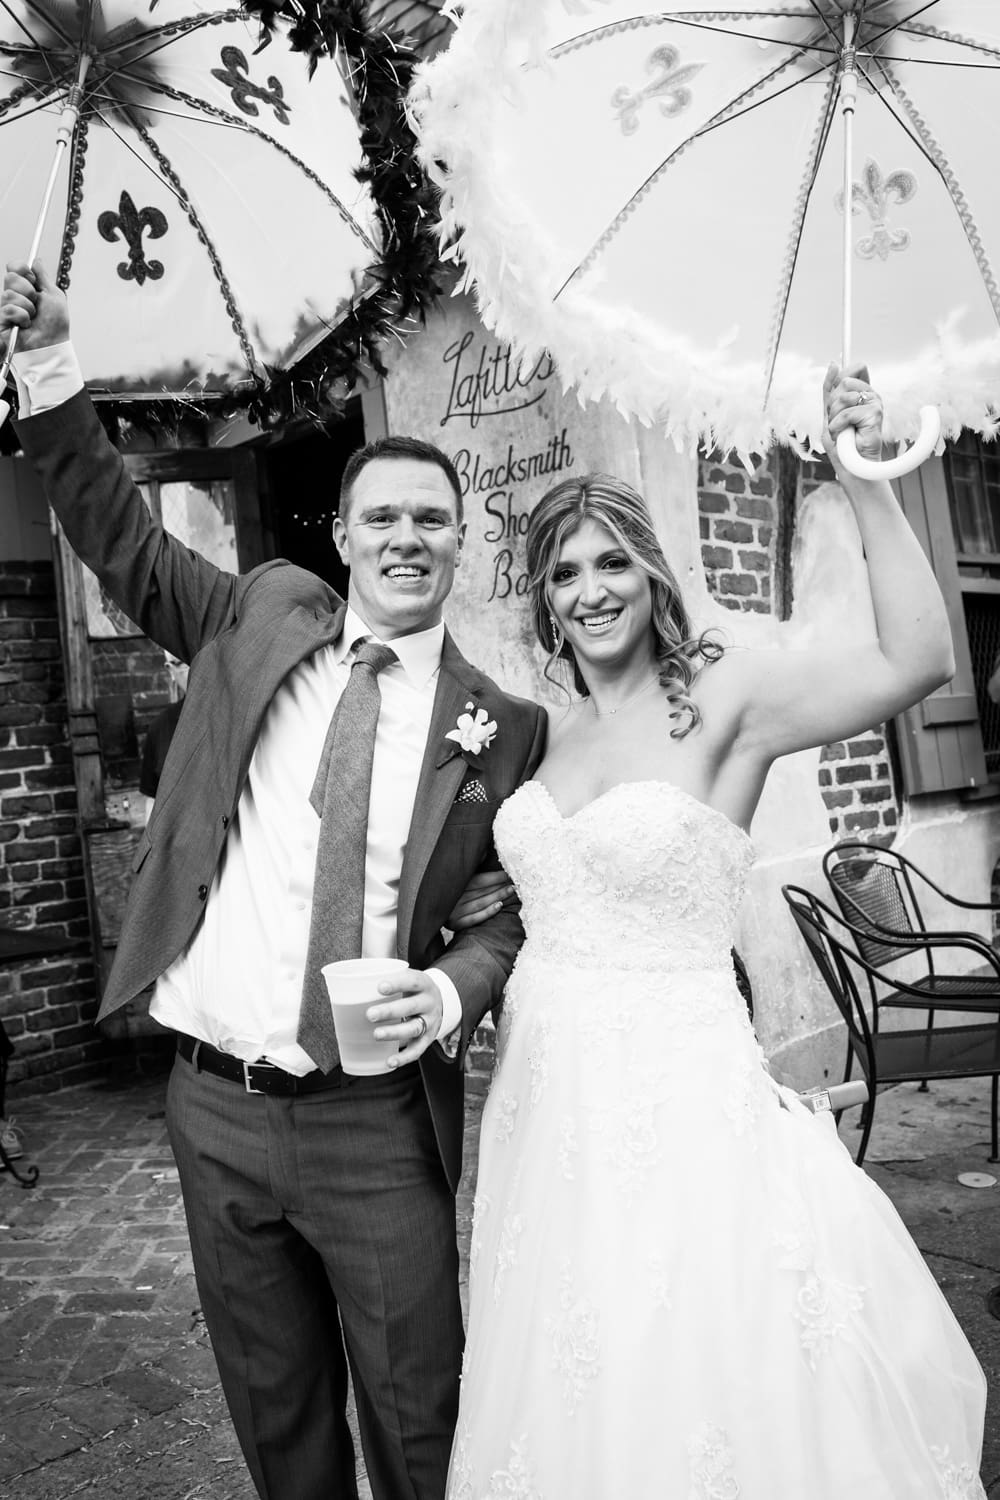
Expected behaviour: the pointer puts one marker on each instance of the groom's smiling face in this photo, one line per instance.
(401, 537)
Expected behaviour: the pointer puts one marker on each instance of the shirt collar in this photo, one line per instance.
(419, 654)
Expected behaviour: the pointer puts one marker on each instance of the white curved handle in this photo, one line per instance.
(903, 463)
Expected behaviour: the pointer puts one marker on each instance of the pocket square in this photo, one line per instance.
(472, 790)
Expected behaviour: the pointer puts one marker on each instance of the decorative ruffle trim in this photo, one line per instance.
(699, 397)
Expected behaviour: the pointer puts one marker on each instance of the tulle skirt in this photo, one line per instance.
(681, 1285)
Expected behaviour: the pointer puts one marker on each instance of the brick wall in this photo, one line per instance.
(47, 1006)
(737, 514)
(129, 673)
(857, 784)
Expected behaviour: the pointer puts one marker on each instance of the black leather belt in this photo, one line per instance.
(257, 1077)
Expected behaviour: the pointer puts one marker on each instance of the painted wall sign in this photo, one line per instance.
(512, 432)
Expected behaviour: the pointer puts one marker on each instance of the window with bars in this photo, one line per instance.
(972, 468)
(940, 740)
(972, 479)
(982, 620)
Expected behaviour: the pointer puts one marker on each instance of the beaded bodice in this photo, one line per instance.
(643, 877)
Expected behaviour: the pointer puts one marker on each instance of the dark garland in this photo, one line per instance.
(405, 277)
(403, 282)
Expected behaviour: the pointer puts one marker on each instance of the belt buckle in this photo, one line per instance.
(246, 1079)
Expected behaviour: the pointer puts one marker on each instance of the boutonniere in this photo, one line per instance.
(474, 732)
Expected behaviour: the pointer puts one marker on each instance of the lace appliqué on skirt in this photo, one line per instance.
(959, 1481)
(576, 1341)
(711, 1461)
(513, 1482)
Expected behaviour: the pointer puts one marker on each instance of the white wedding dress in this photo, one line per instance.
(681, 1285)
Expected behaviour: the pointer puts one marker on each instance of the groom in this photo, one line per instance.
(320, 1206)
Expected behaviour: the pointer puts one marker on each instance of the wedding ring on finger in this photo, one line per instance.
(422, 1023)
(862, 397)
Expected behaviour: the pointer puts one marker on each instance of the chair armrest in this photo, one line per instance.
(954, 900)
(939, 936)
(935, 940)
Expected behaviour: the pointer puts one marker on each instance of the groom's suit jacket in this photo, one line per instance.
(242, 635)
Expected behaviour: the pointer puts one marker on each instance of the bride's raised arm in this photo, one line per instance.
(789, 699)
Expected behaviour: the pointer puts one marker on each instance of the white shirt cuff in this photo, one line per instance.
(451, 1021)
(46, 377)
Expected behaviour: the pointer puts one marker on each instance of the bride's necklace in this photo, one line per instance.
(609, 713)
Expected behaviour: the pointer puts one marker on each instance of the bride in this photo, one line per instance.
(681, 1285)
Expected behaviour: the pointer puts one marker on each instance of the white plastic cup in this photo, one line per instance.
(353, 986)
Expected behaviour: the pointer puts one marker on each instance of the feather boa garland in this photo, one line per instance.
(698, 396)
(404, 281)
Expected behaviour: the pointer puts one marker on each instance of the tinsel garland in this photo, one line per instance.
(405, 277)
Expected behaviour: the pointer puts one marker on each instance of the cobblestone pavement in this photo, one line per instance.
(107, 1381)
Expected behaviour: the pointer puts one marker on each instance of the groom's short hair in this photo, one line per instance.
(398, 446)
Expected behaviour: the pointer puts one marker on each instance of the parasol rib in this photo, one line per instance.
(820, 137)
(29, 91)
(905, 21)
(907, 28)
(235, 316)
(96, 97)
(18, 50)
(725, 116)
(43, 13)
(609, 28)
(828, 26)
(170, 30)
(936, 156)
(220, 116)
(156, 176)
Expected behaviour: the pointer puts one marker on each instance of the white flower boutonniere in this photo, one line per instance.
(475, 730)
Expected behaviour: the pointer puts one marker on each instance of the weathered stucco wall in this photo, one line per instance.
(512, 434)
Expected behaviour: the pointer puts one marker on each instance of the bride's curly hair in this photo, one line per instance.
(617, 507)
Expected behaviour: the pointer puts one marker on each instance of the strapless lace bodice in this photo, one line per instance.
(643, 877)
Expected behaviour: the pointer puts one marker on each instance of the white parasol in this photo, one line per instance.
(655, 194)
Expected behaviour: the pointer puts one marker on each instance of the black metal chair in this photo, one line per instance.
(877, 892)
(838, 947)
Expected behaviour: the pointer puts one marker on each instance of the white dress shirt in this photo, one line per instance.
(238, 983)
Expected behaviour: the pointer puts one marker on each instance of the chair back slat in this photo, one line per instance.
(869, 892)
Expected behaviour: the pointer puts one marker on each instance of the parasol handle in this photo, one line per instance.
(904, 462)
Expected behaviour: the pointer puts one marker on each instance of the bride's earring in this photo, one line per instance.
(554, 627)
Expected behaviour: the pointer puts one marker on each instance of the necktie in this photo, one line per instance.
(340, 795)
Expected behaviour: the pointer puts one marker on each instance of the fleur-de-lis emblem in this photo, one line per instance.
(133, 223)
(669, 85)
(244, 91)
(873, 193)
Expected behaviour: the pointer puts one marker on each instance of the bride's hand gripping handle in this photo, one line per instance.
(855, 430)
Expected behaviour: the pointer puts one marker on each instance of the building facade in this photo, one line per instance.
(766, 556)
